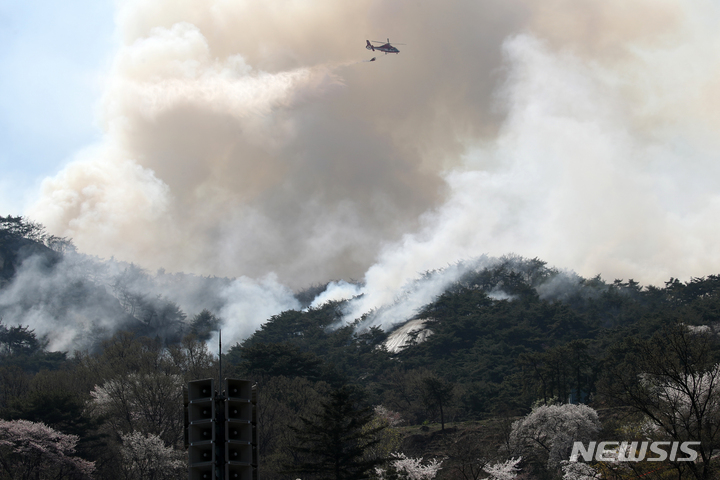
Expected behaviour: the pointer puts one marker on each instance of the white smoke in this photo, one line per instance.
(119, 199)
(241, 141)
(335, 292)
(174, 67)
(75, 301)
(571, 179)
(60, 303)
(250, 303)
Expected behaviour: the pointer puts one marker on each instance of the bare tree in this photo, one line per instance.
(437, 393)
(674, 381)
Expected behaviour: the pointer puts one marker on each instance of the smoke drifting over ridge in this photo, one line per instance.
(243, 139)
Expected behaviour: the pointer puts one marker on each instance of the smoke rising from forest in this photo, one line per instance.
(244, 140)
(80, 301)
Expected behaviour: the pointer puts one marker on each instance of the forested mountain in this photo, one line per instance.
(502, 354)
(76, 301)
(502, 339)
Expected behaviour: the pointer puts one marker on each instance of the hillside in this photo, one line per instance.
(502, 354)
(504, 335)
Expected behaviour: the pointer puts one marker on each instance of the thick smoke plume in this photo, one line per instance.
(78, 301)
(245, 138)
(248, 139)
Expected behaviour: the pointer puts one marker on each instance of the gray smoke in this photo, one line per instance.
(79, 301)
(241, 143)
(248, 140)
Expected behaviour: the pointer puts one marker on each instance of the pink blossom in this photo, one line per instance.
(34, 450)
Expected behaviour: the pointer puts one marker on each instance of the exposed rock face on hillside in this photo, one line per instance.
(403, 336)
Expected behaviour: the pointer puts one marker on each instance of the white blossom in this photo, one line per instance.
(391, 417)
(141, 402)
(579, 471)
(550, 430)
(685, 395)
(503, 470)
(147, 458)
(409, 468)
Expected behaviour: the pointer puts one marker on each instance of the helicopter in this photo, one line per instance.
(385, 47)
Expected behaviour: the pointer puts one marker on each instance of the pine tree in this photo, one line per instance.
(335, 441)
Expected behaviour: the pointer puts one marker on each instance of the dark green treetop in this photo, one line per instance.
(333, 445)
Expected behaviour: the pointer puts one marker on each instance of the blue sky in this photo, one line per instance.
(53, 56)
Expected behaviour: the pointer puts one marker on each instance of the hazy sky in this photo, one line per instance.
(53, 56)
(235, 138)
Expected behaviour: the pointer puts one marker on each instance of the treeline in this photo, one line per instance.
(121, 412)
(495, 359)
(505, 339)
(120, 409)
(502, 356)
(46, 283)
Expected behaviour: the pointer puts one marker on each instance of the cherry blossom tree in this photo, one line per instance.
(393, 419)
(139, 384)
(34, 450)
(147, 458)
(407, 468)
(151, 403)
(546, 434)
(506, 470)
(579, 471)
